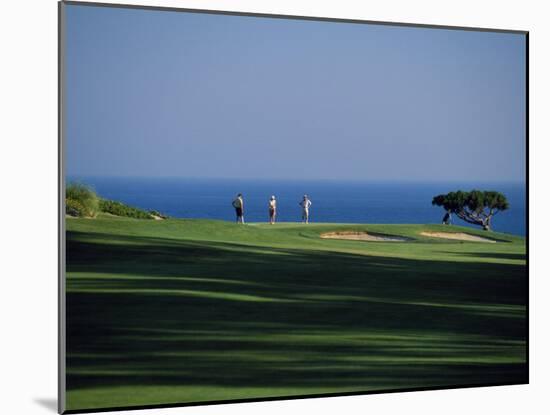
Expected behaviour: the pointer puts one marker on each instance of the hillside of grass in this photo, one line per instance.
(81, 201)
(180, 311)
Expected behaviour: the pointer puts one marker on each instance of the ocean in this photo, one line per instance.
(332, 201)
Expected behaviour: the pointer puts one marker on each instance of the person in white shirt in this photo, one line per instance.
(238, 204)
(272, 209)
(305, 203)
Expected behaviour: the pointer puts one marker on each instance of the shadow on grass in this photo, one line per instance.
(153, 311)
(491, 255)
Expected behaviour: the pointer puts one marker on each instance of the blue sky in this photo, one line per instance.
(155, 93)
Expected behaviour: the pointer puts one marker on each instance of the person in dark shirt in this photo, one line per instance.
(238, 204)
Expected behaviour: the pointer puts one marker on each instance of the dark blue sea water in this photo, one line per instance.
(332, 201)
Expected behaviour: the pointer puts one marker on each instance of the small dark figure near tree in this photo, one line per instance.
(447, 218)
(476, 207)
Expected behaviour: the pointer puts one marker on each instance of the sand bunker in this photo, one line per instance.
(459, 236)
(363, 236)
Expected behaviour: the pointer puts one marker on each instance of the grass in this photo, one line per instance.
(180, 311)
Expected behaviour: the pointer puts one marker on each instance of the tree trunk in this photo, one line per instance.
(487, 224)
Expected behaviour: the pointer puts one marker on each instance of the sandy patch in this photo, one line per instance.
(362, 236)
(155, 217)
(459, 236)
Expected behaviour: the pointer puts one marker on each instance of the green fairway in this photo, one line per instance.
(178, 311)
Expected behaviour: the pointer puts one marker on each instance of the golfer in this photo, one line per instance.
(238, 204)
(305, 203)
(272, 209)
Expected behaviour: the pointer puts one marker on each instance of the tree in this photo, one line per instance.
(476, 207)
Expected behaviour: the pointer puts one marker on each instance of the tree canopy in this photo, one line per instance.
(476, 207)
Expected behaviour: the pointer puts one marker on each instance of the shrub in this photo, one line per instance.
(120, 209)
(80, 200)
(74, 208)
